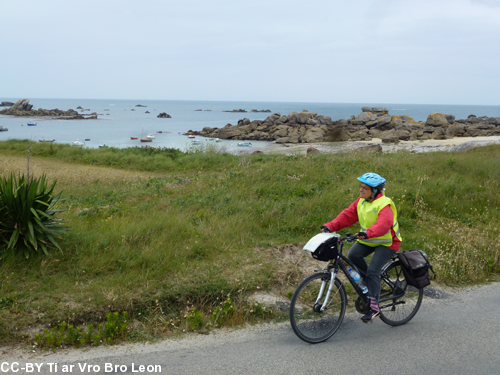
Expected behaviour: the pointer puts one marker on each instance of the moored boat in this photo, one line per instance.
(78, 143)
(196, 142)
(146, 140)
(134, 138)
(150, 136)
(46, 140)
(244, 144)
(191, 136)
(32, 124)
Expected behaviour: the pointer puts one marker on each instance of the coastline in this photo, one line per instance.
(428, 145)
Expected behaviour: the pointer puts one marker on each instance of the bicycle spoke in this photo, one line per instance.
(399, 302)
(308, 320)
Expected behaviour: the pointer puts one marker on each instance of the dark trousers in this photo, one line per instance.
(370, 272)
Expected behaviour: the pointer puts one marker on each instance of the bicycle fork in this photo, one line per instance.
(320, 307)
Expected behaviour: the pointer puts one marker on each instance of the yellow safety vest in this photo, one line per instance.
(368, 215)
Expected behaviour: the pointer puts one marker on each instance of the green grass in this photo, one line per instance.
(179, 240)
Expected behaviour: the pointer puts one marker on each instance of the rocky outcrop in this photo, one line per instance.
(372, 122)
(6, 104)
(164, 115)
(23, 108)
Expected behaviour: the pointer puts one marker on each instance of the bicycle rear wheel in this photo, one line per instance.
(399, 302)
(308, 321)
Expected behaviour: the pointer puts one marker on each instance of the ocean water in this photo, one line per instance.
(119, 120)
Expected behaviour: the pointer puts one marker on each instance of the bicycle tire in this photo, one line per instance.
(400, 310)
(307, 322)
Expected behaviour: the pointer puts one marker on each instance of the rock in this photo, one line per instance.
(366, 116)
(6, 104)
(390, 140)
(380, 110)
(164, 115)
(463, 147)
(229, 132)
(337, 134)
(144, 112)
(449, 118)
(257, 152)
(436, 119)
(140, 105)
(455, 131)
(273, 118)
(23, 108)
(407, 118)
(439, 134)
(370, 149)
(22, 105)
(312, 151)
(237, 111)
(303, 116)
(283, 140)
(307, 127)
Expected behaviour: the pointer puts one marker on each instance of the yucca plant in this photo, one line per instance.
(28, 219)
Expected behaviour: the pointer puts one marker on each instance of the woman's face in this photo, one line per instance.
(365, 191)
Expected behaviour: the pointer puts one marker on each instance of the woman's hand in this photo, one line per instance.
(361, 236)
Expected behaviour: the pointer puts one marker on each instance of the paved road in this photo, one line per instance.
(459, 334)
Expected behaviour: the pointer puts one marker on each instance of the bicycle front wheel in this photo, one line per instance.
(312, 318)
(399, 302)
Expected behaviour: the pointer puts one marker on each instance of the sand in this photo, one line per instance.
(412, 146)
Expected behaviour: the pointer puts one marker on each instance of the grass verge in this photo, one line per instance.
(179, 241)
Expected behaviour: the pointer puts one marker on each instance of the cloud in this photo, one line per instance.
(377, 51)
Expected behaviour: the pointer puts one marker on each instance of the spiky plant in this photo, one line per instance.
(28, 220)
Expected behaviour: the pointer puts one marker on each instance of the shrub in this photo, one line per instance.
(27, 214)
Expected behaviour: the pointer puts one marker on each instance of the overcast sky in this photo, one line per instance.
(392, 51)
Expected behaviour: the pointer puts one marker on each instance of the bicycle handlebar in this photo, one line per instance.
(349, 238)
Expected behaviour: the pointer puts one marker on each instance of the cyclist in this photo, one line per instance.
(379, 234)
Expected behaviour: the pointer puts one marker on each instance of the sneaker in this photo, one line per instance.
(370, 315)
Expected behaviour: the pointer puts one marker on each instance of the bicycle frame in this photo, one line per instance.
(333, 268)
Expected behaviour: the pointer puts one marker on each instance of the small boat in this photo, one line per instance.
(217, 139)
(150, 136)
(103, 146)
(46, 140)
(78, 143)
(244, 144)
(146, 140)
(134, 138)
(191, 136)
(32, 124)
(196, 142)
(87, 139)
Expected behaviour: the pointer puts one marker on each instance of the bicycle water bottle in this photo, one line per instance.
(358, 280)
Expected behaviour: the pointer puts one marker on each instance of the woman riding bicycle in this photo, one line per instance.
(378, 218)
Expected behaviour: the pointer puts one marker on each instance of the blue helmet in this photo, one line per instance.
(372, 179)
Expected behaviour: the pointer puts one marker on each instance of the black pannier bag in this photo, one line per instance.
(415, 265)
(327, 251)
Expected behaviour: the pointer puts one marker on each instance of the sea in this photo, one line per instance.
(120, 120)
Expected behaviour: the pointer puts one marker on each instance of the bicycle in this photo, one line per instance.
(319, 303)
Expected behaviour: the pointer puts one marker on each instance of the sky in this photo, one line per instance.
(387, 51)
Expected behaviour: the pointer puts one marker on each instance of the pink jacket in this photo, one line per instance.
(384, 223)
